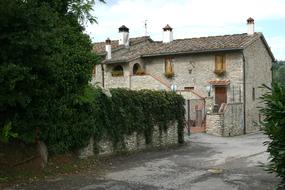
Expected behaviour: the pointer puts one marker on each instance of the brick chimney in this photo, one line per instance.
(108, 48)
(167, 34)
(124, 38)
(250, 26)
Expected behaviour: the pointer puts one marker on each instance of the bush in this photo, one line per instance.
(125, 112)
(274, 123)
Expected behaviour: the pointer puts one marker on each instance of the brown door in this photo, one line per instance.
(220, 95)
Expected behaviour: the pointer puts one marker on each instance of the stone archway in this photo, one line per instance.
(118, 71)
(137, 69)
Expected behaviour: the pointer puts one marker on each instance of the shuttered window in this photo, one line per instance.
(168, 65)
(220, 63)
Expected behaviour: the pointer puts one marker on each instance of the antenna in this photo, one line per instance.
(145, 27)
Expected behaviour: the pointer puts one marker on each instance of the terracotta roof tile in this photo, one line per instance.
(145, 47)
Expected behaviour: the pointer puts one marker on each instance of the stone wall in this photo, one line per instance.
(134, 142)
(258, 65)
(143, 81)
(228, 123)
(215, 124)
(233, 119)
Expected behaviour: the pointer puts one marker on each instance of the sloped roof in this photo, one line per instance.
(99, 47)
(145, 47)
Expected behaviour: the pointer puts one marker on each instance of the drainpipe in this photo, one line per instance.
(103, 75)
(244, 94)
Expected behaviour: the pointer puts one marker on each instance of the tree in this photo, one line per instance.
(45, 63)
(278, 69)
(274, 123)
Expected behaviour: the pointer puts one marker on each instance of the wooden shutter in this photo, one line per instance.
(168, 65)
(220, 63)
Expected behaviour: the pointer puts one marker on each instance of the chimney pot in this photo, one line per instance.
(108, 41)
(167, 27)
(250, 20)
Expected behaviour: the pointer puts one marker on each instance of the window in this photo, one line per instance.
(220, 64)
(253, 94)
(117, 71)
(189, 88)
(169, 71)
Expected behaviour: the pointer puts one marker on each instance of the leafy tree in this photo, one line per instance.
(278, 69)
(274, 123)
(45, 63)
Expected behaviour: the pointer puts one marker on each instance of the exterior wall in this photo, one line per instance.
(202, 67)
(146, 81)
(134, 142)
(258, 65)
(119, 81)
(97, 78)
(233, 119)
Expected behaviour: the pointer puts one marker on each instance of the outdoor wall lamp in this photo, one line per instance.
(173, 87)
(209, 89)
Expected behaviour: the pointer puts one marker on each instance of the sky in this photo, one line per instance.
(191, 18)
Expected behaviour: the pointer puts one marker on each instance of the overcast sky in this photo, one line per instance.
(191, 18)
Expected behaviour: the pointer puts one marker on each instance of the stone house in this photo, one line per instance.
(223, 72)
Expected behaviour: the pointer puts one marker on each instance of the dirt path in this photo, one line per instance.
(206, 162)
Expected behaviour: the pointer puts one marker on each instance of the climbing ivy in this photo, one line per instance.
(105, 117)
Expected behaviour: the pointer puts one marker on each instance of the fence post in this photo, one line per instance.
(188, 117)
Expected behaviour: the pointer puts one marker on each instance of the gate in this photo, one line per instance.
(195, 115)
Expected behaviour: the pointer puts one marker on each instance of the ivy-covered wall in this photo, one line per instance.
(116, 114)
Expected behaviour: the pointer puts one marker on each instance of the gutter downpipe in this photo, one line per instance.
(244, 94)
(103, 75)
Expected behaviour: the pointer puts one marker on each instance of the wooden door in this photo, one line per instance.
(220, 95)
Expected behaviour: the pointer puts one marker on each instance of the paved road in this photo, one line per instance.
(205, 163)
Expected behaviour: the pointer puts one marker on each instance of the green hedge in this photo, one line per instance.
(101, 116)
(274, 123)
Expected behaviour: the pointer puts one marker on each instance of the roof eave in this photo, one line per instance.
(114, 61)
(192, 52)
(267, 47)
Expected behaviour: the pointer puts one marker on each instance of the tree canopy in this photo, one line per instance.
(279, 72)
(45, 62)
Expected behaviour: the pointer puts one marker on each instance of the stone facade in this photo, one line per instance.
(257, 72)
(247, 69)
(134, 142)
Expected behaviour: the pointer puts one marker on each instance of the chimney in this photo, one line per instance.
(108, 48)
(124, 39)
(250, 26)
(167, 34)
